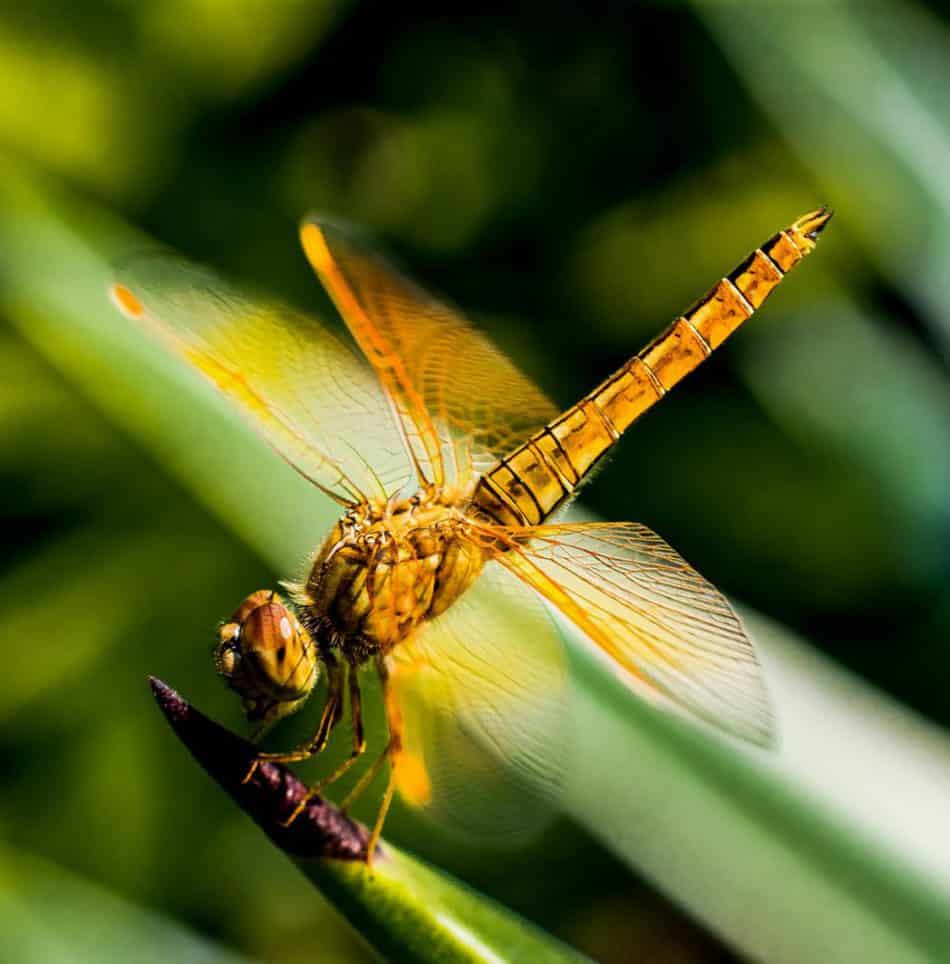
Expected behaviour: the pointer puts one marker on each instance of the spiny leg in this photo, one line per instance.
(331, 715)
(365, 780)
(393, 743)
(392, 751)
(359, 746)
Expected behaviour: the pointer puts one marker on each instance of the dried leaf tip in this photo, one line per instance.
(272, 792)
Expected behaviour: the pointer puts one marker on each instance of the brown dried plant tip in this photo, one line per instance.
(272, 792)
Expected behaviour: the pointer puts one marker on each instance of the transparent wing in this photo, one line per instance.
(304, 391)
(461, 403)
(482, 694)
(670, 633)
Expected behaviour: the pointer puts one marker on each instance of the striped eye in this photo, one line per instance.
(263, 630)
(256, 599)
(264, 653)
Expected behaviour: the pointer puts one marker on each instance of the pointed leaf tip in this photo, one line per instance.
(268, 792)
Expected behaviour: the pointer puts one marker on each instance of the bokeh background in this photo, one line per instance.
(573, 175)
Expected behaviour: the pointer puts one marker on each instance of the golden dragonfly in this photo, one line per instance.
(441, 574)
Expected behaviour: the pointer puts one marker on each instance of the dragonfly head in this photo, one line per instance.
(267, 658)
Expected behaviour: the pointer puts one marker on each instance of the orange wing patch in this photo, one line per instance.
(460, 403)
(305, 392)
(126, 302)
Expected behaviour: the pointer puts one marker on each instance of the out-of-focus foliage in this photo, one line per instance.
(574, 181)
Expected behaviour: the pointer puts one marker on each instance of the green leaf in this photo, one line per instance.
(869, 393)
(406, 910)
(50, 916)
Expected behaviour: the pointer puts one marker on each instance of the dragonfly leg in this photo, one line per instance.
(365, 780)
(381, 814)
(359, 747)
(394, 723)
(331, 715)
(390, 754)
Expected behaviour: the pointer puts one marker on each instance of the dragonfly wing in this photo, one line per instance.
(671, 634)
(482, 692)
(302, 389)
(461, 403)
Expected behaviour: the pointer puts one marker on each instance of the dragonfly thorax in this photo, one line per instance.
(386, 568)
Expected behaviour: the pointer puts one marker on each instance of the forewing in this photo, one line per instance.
(482, 692)
(302, 389)
(669, 632)
(461, 403)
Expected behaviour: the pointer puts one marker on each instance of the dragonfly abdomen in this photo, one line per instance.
(526, 486)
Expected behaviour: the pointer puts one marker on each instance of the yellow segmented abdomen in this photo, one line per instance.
(529, 484)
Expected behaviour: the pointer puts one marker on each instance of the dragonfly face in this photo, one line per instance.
(267, 657)
(443, 593)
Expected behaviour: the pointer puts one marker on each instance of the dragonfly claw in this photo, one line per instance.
(299, 809)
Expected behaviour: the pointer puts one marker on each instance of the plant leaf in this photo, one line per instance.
(405, 909)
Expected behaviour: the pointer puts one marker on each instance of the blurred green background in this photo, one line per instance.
(573, 175)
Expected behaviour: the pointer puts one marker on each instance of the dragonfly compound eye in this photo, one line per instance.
(265, 654)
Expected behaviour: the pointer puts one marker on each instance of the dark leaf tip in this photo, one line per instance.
(272, 792)
(170, 703)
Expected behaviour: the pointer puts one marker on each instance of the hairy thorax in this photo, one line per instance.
(386, 568)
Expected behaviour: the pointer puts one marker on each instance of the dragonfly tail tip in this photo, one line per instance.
(811, 225)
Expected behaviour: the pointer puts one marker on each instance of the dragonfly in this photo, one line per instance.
(452, 472)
